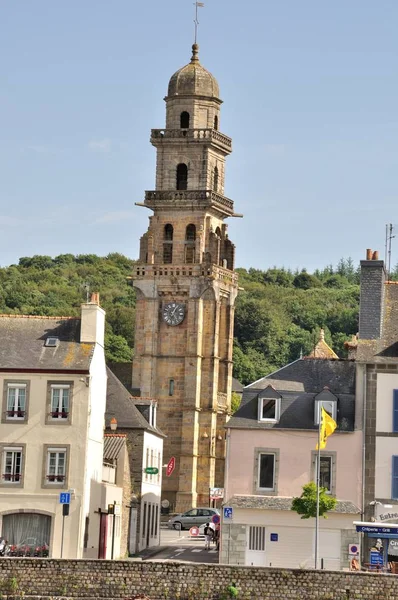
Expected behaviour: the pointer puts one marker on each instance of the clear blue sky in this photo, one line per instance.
(310, 92)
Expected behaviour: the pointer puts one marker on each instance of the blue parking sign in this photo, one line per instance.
(64, 498)
(227, 513)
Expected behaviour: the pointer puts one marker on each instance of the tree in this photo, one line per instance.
(305, 505)
(116, 348)
(235, 401)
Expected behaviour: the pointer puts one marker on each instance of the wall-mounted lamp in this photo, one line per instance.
(220, 437)
(205, 435)
(113, 424)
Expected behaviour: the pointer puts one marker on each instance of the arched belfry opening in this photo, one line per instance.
(190, 239)
(168, 244)
(182, 176)
(215, 122)
(184, 120)
(215, 179)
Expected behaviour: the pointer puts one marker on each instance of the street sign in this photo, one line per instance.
(151, 470)
(171, 465)
(216, 493)
(353, 549)
(273, 537)
(227, 513)
(194, 531)
(117, 509)
(64, 498)
(215, 519)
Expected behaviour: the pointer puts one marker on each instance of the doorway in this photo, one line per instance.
(255, 546)
(103, 535)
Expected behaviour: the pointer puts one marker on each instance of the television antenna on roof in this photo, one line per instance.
(390, 228)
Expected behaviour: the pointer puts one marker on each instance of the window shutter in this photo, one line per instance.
(395, 477)
(395, 411)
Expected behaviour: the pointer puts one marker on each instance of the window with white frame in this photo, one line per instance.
(60, 401)
(325, 472)
(269, 409)
(16, 401)
(56, 465)
(329, 405)
(266, 471)
(12, 465)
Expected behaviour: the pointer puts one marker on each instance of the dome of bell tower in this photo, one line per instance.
(193, 80)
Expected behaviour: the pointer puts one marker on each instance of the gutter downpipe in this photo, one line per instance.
(363, 453)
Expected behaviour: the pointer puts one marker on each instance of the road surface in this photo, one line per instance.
(178, 545)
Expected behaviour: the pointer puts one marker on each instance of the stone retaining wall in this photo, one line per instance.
(95, 579)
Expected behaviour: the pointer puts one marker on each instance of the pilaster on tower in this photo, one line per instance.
(186, 287)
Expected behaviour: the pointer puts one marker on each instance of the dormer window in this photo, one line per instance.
(269, 410)
(52, 342)
(328, 401)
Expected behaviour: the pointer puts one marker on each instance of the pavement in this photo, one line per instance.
(179, 546)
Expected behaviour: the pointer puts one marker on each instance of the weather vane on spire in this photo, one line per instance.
(201, 5)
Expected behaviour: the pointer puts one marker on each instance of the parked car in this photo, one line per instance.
(194, 516)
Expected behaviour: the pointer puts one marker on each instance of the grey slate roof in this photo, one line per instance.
(121, 405)
(298, 384)
(237, 386)
(22, 344)
(282, 503)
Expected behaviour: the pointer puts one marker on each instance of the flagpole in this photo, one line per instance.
(318, 478)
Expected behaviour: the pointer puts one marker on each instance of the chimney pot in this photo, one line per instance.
(375, 255)
(94, 298)
(369, 254)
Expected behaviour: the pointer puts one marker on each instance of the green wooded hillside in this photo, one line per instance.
(278, 313)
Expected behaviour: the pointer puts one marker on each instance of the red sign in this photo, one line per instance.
(215, 519)
(171, 465)
(194, 531)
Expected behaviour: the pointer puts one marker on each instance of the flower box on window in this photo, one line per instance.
(11, 476)
(53, 478)
(16, 413)
(58, 414)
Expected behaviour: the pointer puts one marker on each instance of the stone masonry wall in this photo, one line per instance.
(84, 579)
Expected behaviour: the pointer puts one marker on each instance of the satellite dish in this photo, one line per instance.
(165, 504)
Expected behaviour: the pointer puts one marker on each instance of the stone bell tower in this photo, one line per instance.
(186, 288)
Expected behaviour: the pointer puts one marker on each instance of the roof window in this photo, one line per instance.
(51, 342)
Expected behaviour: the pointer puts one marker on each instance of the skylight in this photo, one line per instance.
(51, 342)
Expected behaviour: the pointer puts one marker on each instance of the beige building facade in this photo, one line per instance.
(53, 383)
(186, 288)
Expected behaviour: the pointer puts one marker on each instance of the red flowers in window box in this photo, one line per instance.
(56, 478)
(12, 476)
(16, 413)
(59, 414)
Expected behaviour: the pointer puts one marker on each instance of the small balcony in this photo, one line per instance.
(201, 136)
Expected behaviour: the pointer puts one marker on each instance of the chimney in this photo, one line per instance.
(92, 328)
(371, 304)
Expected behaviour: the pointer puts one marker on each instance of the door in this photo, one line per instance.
(103, 535)
(255, 546)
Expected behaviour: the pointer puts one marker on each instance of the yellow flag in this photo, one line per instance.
(328, 425)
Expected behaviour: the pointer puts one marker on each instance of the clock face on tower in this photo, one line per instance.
(173, 313)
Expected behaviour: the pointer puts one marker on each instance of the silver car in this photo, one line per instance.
(194, 516)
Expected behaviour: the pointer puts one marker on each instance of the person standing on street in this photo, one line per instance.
(208, 531)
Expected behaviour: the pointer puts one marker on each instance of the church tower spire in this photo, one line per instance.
(186, 287)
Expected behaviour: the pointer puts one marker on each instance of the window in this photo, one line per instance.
(16, 401)
(51, 342)
(184, 120)
(56, 465)
(59, 402)
(256, 538)
(12, 465)
(269, 409)
(394, 493)
(215, 122)
(167, 245)
(190, 233)
(329, 405)
(266, 471)
(325, 473)
(56, 460)
(215, 179)
(171, 387)
(327, 470)
(395, 411)
(168, 233)
(182, 176)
